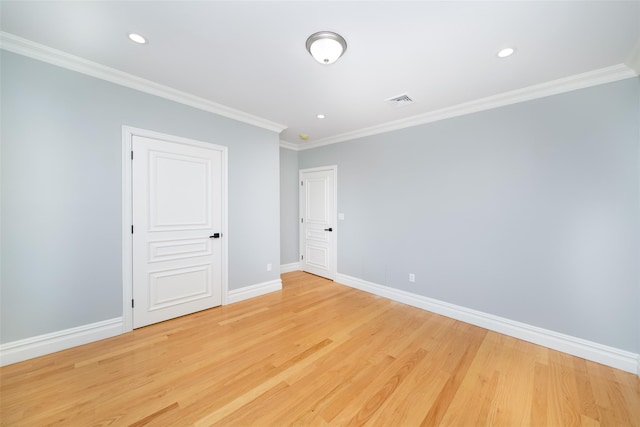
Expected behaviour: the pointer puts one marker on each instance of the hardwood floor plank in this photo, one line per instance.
(275, 377)
(390, 386)
(315, 354)
(617, 407)
(539, 408)
(440, 407)
(304, 408)
(586, 400)
(562, 405)
(259, 408)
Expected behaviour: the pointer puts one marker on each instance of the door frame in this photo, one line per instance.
(128, 132)
(334, 243)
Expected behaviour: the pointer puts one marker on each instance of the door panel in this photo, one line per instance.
(317, 227)
(317, 256)
(317, 199)
(173, 287)
(177, 206)
(179, 192)
(165, 250)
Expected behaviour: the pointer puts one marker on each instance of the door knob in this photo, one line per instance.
(215, 236)
(328, 229)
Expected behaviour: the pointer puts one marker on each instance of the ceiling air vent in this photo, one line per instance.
(400, 100)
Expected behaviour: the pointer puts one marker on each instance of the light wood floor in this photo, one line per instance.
(316, 353)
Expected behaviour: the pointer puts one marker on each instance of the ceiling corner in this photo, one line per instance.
(633, 59)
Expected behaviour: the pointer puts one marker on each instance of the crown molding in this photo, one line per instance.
(15, 44)
(59, 58)
(289, 145)
(554, 87)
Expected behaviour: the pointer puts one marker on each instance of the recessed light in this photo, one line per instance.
(507, 51)
(320, 116)
(137, 38)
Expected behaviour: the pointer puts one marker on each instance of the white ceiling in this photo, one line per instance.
(251, 56)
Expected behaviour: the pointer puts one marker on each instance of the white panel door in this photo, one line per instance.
(317, 221)
(177, 211)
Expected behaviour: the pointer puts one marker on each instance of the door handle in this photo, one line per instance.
(328, 229)
(215, 236)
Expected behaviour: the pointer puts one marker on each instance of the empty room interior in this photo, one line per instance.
(265, 213)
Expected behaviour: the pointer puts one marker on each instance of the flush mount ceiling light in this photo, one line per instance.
(320, 116)
(137, 38)
(326, 47)
(507, 51)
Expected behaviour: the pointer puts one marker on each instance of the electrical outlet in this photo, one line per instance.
(412, 277)
(268, 267)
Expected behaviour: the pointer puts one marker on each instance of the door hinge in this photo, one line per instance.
(132, 229)
(302, 257)
(132, 304)
(302, 183)
(131, 154)
(302, 220)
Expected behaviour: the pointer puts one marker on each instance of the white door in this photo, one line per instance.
(317, 221)
(177, 225)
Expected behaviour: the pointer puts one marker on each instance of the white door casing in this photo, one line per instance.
(318, 231)
(178, 204)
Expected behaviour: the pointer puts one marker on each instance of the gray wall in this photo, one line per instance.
(61, 193)
(529, 212)
(289, 208)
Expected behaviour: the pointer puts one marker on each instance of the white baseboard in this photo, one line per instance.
(288, 268)
(237, 295)
(18, 351)
(610, 356)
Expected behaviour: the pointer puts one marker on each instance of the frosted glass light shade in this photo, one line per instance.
(326, 47)
(506, 52)
(137, 38)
